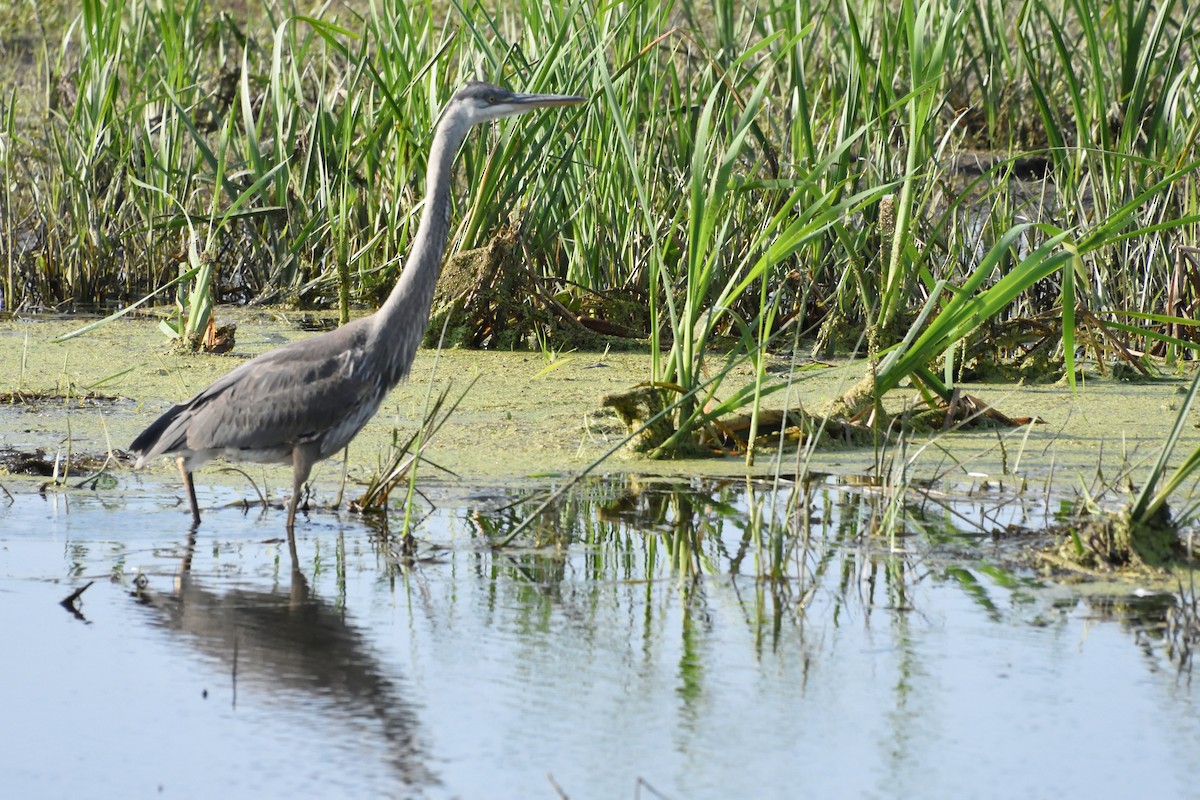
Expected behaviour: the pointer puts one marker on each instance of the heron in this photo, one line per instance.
(307, 400)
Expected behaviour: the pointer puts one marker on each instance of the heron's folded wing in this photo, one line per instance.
(290, 395)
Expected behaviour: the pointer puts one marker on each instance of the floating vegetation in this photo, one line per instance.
(1114, 540)
(50, 465)
(32, 400)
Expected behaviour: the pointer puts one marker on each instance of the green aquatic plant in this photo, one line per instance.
(1149, 508)
(1143, 532)
(399, 467)
(929, 30)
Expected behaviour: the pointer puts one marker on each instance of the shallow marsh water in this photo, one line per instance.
(632, 635)
(610, 652)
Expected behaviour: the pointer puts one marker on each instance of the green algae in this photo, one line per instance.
(522, 419)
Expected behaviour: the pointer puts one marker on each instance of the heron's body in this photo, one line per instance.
(319, 394)
(307, 400)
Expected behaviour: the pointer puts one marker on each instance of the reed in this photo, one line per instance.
(737, 173)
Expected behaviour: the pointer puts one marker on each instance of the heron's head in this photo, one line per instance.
(480, 102)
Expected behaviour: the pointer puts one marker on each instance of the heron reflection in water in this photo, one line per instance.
(289, 644)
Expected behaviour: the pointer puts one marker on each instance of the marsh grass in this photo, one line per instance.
(398, 468)
(737, 173)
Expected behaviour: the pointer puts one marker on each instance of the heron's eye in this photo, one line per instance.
(492, 99)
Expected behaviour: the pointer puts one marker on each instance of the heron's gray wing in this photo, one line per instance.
(294, 394)
(321, 387)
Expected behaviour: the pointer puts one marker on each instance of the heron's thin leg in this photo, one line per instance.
(299, 589)
(185, 565)
(303, 458)
(191, 489)
(291, 520)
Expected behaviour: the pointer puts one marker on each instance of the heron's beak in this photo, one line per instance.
(528, 101)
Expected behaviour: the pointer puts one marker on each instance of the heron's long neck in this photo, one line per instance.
(400, 322)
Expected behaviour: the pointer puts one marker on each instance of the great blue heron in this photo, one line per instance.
(307, 400)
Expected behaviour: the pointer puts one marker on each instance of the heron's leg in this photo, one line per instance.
(303, 458)
(185, 565)
(299, 589)
(191, 489)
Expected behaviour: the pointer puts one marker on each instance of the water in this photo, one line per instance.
(633, 652)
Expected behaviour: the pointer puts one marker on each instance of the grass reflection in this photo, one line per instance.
(779, 545)
(851, 548)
